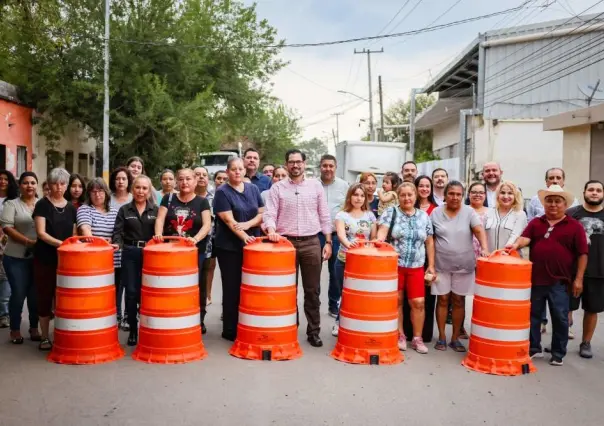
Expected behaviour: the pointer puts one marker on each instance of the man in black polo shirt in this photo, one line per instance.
(591, 216)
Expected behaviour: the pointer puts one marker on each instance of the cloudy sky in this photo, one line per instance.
(311, 82)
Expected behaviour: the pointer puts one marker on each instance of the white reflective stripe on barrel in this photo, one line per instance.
(82, 282)
(170, 281)
(267, 321)
(386, 326)
(86, 324)
(268, 280)
(170, 323)
(499, 334)
(511, 294)
(371, 286)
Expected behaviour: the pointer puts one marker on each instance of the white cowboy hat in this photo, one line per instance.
(556, 190)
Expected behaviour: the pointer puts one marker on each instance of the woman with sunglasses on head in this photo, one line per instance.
(75, 190)
(18, 224)
(187, 215)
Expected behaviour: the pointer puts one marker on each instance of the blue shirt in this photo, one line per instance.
(409, 235)
(244, 206)
(262, 182)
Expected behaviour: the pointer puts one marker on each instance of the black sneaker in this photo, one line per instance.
(333, 312)
(585, 350)
(556, 361)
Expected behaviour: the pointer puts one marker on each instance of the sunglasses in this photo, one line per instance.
(549, 231)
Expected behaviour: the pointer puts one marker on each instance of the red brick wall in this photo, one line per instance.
(15, 130)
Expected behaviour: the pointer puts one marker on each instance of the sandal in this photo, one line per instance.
(457, 346)
(16, 338)
(463, 334)
(34, 335)
(45, 345)
(441, 345)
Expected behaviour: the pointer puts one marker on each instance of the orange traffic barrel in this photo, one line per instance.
(267, 328)
(369, 310)
(85, 313)
(499, 340)
(170, 322)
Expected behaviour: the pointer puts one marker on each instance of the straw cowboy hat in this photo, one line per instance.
(556, 190)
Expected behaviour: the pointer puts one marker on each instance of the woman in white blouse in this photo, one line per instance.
(507, 220)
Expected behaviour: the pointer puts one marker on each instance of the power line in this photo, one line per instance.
(325, 43)
(394, 17)
(407, 15)
(309, 80)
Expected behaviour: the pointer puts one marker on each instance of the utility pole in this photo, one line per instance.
(337, 135)
(369, 52)
(106, 105)
(382, 134)
(414, 93)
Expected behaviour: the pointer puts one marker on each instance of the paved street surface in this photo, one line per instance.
(431, 389)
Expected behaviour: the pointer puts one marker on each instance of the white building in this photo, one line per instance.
(494, 96)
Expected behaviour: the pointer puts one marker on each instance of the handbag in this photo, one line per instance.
(389, 235)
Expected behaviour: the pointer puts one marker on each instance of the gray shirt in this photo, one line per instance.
(114, 204)
(453, 239)
(335, 193)
(17, 215)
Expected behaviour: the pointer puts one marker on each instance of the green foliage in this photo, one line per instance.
(313, 149)
(185, 75)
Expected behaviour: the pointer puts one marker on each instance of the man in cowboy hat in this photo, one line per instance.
(558, 250)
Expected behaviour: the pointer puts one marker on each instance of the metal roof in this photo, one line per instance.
(443, 111)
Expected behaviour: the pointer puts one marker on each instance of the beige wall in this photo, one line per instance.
(75, 143)
(576, 158)
(445, 135)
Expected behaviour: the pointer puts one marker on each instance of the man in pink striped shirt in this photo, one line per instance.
(296, 208)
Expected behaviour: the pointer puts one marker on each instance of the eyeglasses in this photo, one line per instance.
(97, 192)
(295, 163)
(477, 192)
(549, 231)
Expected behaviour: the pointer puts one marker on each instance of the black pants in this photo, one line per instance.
(202, 278)
(132, 278)
(119, 290)
(230, 263)
(430, 305)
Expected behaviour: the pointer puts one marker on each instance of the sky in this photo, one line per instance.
(310, 83)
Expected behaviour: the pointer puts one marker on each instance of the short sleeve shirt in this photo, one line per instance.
(355, 228)
(101, 225)
(244, 206)
(593, 223)
(454, 251)
(59, 225)
(16, 214)
(409, 234)
(184, 219)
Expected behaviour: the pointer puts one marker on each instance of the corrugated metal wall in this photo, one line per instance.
(540, 78)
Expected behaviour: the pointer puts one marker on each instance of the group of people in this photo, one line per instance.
(437, 227)
(439, 230)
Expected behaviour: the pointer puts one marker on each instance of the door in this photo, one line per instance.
(597, 153)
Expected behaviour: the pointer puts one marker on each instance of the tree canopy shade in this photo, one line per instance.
(185, 75)
(314, 149)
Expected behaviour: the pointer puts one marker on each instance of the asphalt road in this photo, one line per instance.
(432, 389)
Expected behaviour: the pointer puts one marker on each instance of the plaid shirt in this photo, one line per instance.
(297, 209)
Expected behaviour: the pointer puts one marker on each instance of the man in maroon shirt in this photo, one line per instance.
(558, 250)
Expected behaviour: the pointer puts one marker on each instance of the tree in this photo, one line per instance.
(185, 76)
(399, 113)
(314, 149)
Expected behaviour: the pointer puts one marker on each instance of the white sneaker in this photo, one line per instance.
(418, 344)
(571, 335)
(402, 342)
(335, 330)
(537, 355)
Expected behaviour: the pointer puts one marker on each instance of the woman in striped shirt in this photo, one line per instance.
(96, 218)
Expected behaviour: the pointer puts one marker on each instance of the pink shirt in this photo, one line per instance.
(297, 209)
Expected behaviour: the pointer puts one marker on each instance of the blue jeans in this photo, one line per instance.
(556, 295)
(339, 271)
(334, 292)
(4, 297)
(132, 280)
(20, 274)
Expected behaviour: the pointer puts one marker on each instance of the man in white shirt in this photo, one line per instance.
(440, 178)
(335, 193)
(553, 176)
(491, 174)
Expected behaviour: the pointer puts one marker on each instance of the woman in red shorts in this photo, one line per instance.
(409, 230)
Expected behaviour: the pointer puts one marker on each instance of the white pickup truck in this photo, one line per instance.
(356, 157)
